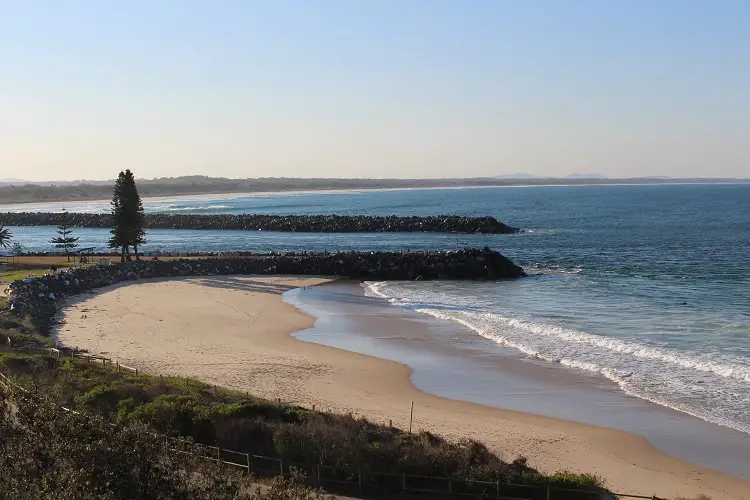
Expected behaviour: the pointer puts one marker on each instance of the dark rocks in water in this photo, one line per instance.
(39, 297)
(287, 223)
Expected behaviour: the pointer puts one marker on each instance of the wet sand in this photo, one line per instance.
(450, 360)
(235, 332)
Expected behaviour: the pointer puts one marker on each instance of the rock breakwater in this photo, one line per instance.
(39, 297)
(289, 223)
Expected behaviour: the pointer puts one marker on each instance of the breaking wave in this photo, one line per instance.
(709, 385)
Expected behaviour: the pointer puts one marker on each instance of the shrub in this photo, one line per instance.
(186, 408)
(51, 454)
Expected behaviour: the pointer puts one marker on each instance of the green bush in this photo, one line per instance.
(48, 453)
(235, 421)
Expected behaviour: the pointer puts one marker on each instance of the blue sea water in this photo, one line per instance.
(648, 286)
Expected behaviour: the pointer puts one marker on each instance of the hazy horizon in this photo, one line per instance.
(500, 178)
(389, 89)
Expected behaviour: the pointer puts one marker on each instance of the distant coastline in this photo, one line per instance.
(17, 193)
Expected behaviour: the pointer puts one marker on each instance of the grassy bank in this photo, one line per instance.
(213, 416)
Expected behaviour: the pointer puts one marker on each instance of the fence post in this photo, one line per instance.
(549, 493)
(403, 483)
(281, 466)
(359, 480)
(450, 485)
(118, 367)
(247, 457)
(411, 416)
(497, 489)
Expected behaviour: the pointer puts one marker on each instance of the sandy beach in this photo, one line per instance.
(235, 332)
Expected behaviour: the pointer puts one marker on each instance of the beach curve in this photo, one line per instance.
(235, 332)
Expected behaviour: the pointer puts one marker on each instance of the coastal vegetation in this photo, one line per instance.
(127, 219)
(5, 237)
(65, 239)
(121, 416)
(49, 453)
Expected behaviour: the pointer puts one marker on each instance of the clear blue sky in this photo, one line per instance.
(381, 88)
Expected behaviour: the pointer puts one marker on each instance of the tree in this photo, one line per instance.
(134, 208)
(17, 249)
(127, 216)
(5, 237)
(65, 240)
(119, 238)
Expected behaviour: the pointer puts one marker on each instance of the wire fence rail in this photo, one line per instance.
(359, 481)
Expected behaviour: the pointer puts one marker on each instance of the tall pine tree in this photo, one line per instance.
(65, 239)
(119, 223)
(134, 209)
(127, 216)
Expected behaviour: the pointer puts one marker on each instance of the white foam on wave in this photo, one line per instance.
(374, 288)
(197, 208)
(609, 343)
(561, 271)
(701, 385)
(545, 232)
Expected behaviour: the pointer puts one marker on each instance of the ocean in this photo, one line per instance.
(646, 287)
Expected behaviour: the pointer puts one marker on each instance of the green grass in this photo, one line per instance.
(19, 274)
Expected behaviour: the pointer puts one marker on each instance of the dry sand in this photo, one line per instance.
(234, 332)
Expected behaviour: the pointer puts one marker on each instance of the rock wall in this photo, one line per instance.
(38, 298)
(295, 223)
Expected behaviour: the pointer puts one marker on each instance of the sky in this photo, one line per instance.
(374, 88)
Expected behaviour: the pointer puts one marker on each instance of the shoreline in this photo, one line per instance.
(268, 361)
(209, 196)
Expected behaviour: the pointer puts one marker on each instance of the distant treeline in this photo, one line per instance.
(191, 185)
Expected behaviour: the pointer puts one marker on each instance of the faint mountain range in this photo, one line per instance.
(585, 176)
(575, 175)
(516, 176)
(521, 175)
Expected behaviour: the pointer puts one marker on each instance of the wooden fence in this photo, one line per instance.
(359, 481)
(116, 365)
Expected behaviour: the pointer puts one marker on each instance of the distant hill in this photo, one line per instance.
(585, 176)
(516, 176)
(197, 185)
(22, 182)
